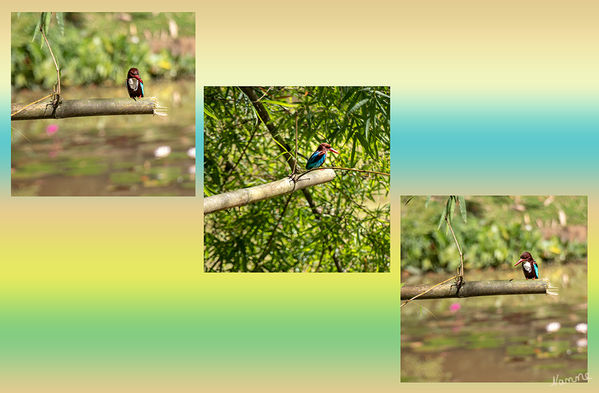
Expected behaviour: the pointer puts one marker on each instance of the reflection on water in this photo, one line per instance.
(108, 155)
(499, 338)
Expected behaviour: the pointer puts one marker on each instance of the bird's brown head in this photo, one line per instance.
(524, 257)
(132, 72)
(326, 147)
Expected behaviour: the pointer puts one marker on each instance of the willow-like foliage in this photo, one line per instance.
(342, 225)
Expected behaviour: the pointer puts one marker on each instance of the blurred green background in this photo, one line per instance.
(99, 48)
(497, 231)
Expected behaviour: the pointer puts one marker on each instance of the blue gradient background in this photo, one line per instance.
(487, 146)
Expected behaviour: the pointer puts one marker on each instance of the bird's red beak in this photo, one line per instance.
(333, 150)
(521, 260)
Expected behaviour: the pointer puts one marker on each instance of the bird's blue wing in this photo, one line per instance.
(142, 88)
(536, 270)
(315, 160)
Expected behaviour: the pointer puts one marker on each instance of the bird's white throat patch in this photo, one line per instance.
(527, 266)
(133, 83)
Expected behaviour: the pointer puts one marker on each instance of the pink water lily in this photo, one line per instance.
(51, 129)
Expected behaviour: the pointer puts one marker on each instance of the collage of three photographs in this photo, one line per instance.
(297, 179)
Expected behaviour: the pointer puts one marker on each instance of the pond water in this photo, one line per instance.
(108, 155)
(498, 338)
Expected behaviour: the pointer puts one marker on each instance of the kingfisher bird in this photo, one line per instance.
(317, 158)
(529, 266)
(135, 85)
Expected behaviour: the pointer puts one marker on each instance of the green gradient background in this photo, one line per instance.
(108, 294)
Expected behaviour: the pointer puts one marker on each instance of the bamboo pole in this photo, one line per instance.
(245, 196)
(478, 288)
(87, 107)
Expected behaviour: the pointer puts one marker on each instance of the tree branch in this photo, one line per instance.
(57, 88)
(265, 118)
(461, 268)
(479, 288)
(88, 107)
(359, 170)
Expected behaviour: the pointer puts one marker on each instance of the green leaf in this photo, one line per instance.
(46, 16)
(37, 28)
(60, 22)
(348, 94)
(451, 207)
(209, 113)
(442, 219)
(382, 94)
(352, 160)
(358, 105)
(462, 203)
(428, 199)
(282, 103)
